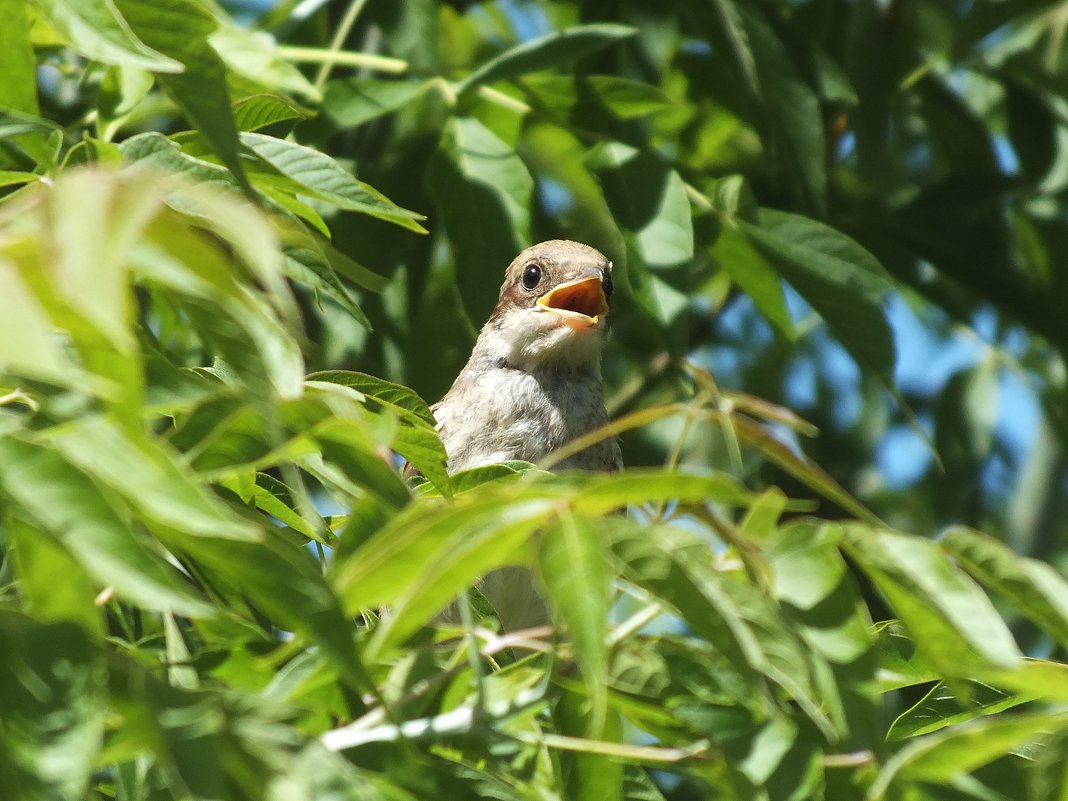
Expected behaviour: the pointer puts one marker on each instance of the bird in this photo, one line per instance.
(531, 385)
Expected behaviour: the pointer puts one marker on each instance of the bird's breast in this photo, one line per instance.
(511, 414)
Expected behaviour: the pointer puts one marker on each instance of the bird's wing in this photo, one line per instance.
(615, 463)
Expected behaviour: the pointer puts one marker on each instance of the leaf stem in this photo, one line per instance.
(317, 55)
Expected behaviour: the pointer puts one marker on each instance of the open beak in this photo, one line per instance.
(581, 303)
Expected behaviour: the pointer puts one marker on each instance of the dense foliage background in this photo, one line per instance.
(837, 575)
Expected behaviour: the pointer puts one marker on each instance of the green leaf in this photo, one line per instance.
(943, 757)
(18, 89)
(463, 554)
(351, 102)
(1033, 587)
(255, 55)
(147, 474)
(68, 504)
(39, 558)
(307, 263)
(53, 702)
(649, 200)
(258, 111)
(95, 221)
(735, 617)
(899, 664)
(842, 282)
(750, 269)
(799, 466)
(806, 567)
(28, 347)
(241, 326)
(180, 30)
(574, 571)
(156, 150)
(121, 90)
(402, 400)
(94, 29)
(547, 51)
(476, 176)
(942, 707)
(16, 178)
(627, 98)
(598, 495)
(416, 438)
(327, 180)
(288, 585)
(950, 619)
(789, 114)
(427, 555)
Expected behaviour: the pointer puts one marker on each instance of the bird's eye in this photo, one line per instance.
(606, 284)
(531, 276)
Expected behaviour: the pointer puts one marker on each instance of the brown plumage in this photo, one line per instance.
(532, 385)
(533, 381)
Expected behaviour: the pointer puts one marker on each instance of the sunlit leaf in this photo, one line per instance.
(324, 178)
(1034, 587)
(17, 90)
(93, 28)
(572, 557)
(952, 621)
(67, 503)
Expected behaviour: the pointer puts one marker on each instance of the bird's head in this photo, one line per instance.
(552, 308)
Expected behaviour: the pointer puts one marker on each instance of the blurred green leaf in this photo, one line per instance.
(1033, 587)
(39, 558)
(350, 102)
(17, 64)
(93, 28)
(255, 55)
(68, 504)
(53, 689)
(789, 112)
(574, 570)
(547, 51)
(602, 494)
(648, 200)
(424, 557)
(148, 474)
(752, 271)
(30, 349)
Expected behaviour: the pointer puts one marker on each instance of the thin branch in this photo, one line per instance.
(340, 35)
(702, 749)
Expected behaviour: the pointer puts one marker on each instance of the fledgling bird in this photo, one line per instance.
(533, 380)
(531, 385)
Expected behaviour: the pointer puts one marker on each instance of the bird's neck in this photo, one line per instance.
(493, 351)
